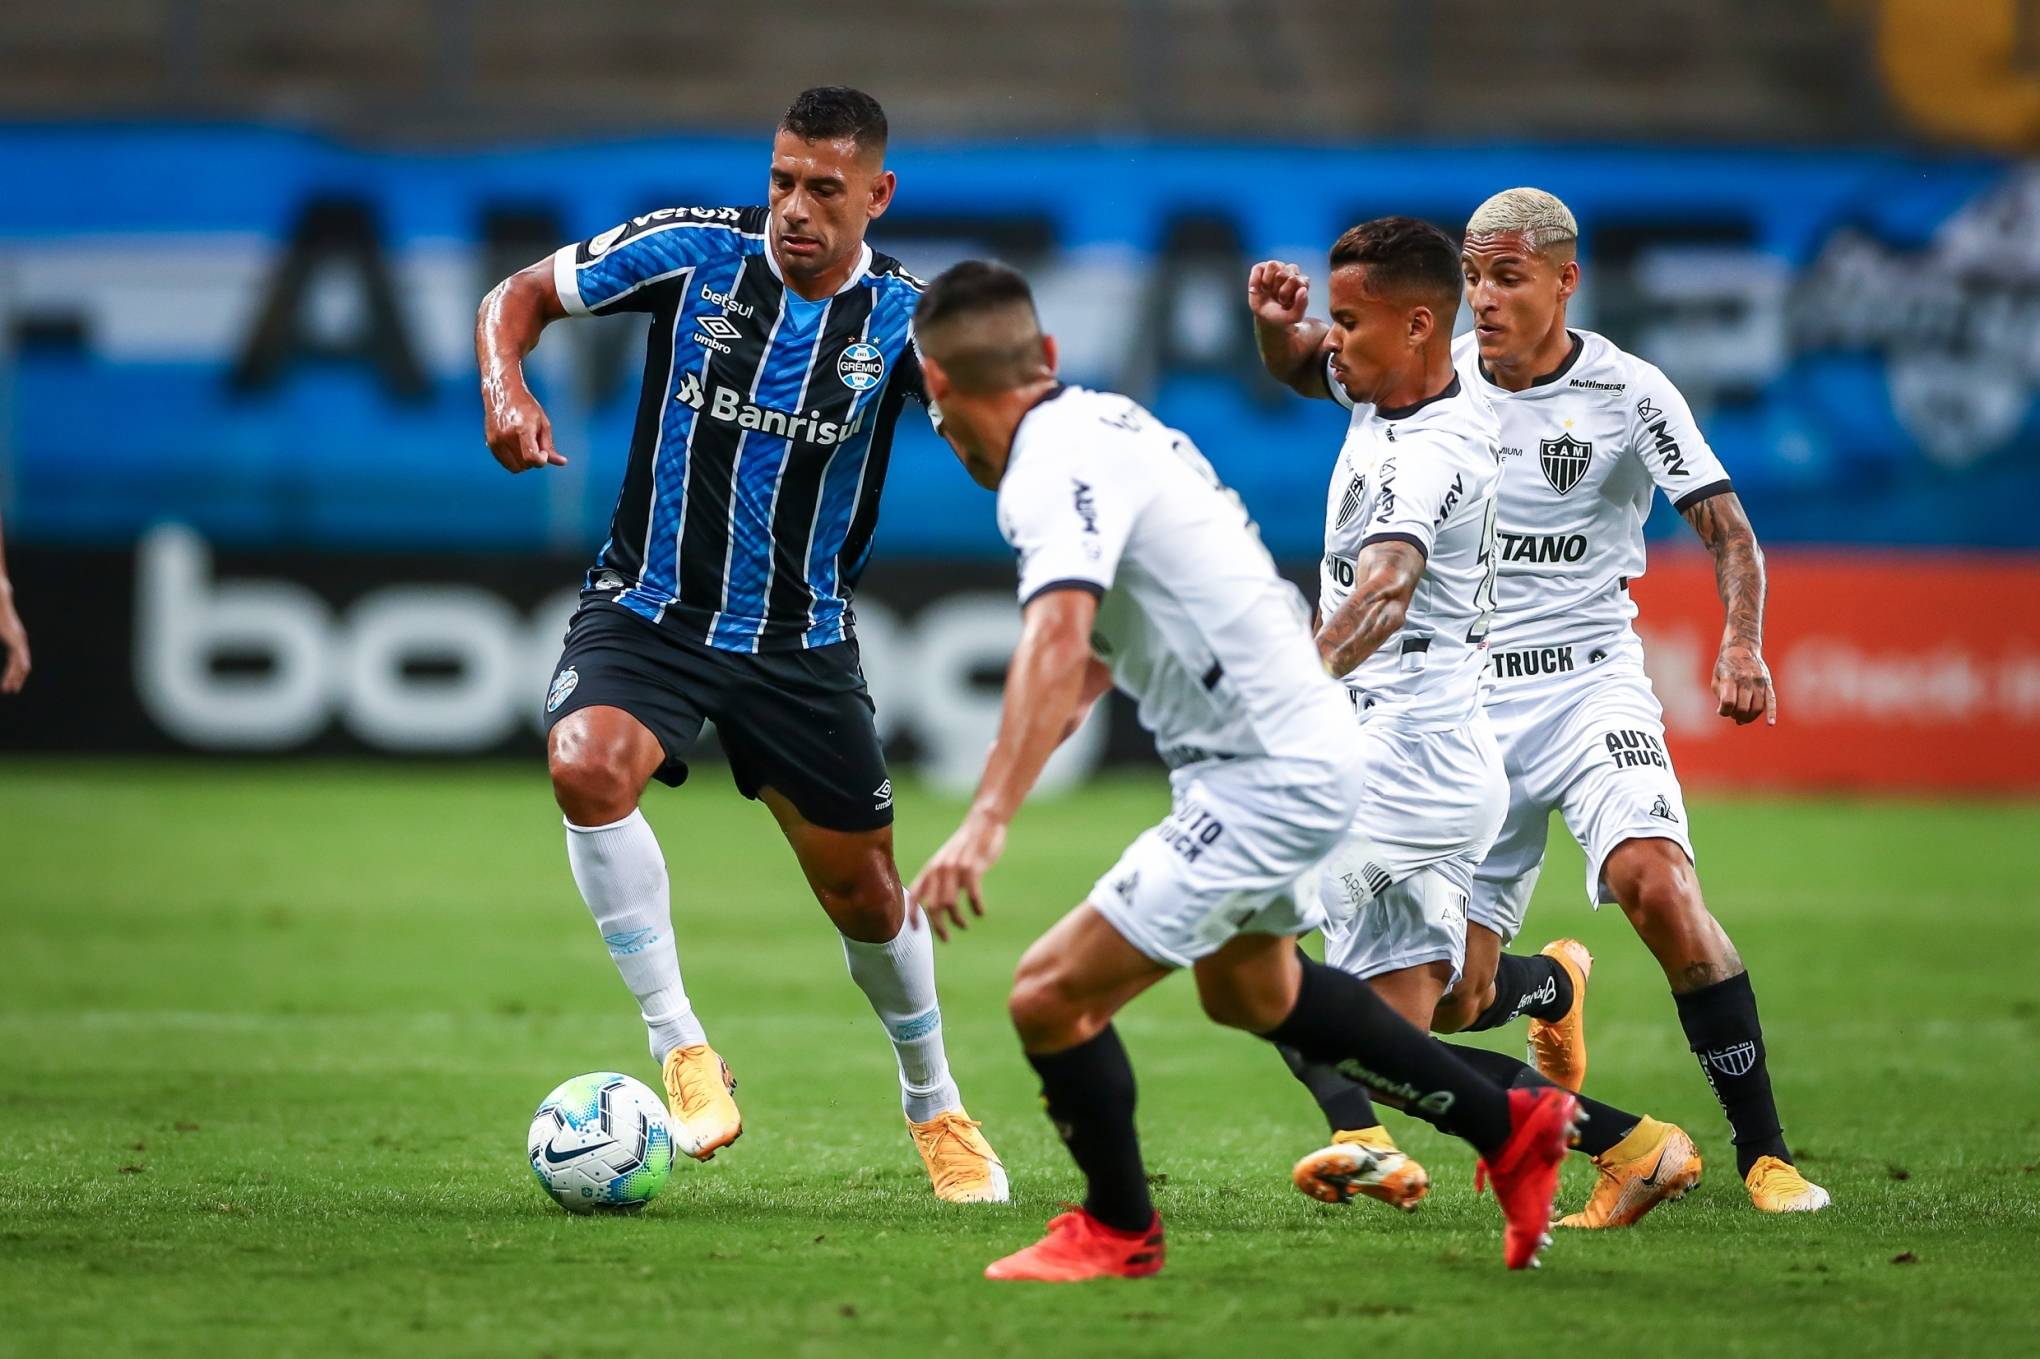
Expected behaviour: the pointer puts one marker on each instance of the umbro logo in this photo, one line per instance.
(718, 327)
(626, 942)
(883, 794)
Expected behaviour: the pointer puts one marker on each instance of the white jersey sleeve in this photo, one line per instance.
(1067, 517)
(1667, 440)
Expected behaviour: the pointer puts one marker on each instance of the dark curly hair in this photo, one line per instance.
(1402, 254)
(828, 112)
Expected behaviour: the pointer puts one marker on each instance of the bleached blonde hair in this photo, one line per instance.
(1538, 217)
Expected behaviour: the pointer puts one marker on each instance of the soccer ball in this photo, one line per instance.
(600, 1143)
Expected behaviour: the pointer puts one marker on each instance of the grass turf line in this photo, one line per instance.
(270, 1034)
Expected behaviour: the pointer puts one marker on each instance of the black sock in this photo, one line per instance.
(1534, 985)
(1605, 1125)
(1723, 1030)
(1339, 1019)
(1089, 1093)
(1343, 1099)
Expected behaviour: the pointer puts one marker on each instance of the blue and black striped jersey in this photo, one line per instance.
(762, 432)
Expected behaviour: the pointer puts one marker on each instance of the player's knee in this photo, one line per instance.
(1240, 1007)
(865, 902)
(1045, 1014)
(592, 787)
(1459, 1007)
(1469, 997)
(1656, 885)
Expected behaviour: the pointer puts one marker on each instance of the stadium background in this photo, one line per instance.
(241, 247)
(280, 597)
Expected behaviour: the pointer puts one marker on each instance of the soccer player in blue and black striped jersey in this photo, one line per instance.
(779, 357)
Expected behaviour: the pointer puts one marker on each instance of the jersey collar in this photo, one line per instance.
(856, 275)
(1403, 412)
(1572, 356)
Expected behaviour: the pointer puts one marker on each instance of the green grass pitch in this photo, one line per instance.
(270, 1035)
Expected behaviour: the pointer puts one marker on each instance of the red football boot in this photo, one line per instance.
(1079, 1246)
(1543, 1122)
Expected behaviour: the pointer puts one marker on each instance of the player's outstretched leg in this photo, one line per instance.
(891, 956)
(600, 759)
(1363, 1159)
(1068, 987)
(1641, 1161)
(1493, 989)
(1328, 1016)
(1549, 988)
(1660, 892)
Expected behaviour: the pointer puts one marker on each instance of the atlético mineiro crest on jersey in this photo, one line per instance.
(562, 685)
(1564, 461)
(861, 366)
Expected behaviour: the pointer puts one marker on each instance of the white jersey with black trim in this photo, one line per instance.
(1582, 449)
(1424, 475)
(1193, 618)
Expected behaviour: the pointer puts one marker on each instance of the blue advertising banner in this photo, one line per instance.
(266, 336)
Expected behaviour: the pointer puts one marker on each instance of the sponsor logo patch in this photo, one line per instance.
(727, 403)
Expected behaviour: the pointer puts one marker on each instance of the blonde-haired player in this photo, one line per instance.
(1589, 432)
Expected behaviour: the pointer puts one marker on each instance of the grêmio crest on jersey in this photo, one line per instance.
(1564, 461)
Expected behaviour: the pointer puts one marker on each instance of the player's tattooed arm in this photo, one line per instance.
(507, 327)
(1384, 580)
(1292, 345)
(1046, 681)
(1742, 681)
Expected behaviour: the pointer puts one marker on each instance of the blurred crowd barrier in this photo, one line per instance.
(249, 507)
(1897, 672)
(268, 337)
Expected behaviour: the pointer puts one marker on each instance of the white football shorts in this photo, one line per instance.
(1590, 744)
(1395, 892)
(1237, 854)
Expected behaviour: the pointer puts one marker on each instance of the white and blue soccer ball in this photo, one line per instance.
(600, 1143)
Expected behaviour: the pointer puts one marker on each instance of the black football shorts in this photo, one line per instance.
(800, 722)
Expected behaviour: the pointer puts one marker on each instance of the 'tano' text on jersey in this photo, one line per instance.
(1423, 475)
(762, 432)
(1582, 449)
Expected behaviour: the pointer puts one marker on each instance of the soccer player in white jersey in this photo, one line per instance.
(1406, 592)
(1138, 567)
(1588, 431)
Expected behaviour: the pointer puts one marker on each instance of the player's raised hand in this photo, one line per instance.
(956, 874)
(1742, 686)
(1277, 293)
(516, 427)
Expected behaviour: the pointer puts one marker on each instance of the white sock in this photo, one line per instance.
(899, 980)
(622, 877)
